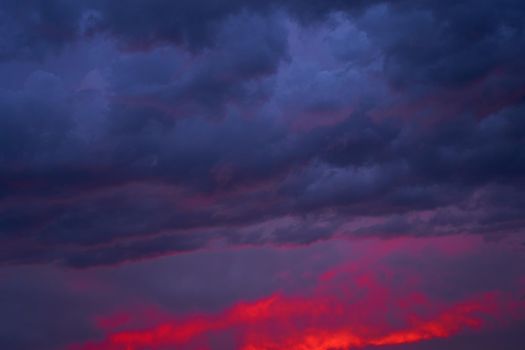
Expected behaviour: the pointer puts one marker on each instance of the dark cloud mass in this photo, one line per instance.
(186, 124)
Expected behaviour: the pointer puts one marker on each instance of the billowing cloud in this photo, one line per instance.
(182, 126)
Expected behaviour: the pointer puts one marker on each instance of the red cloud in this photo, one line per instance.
(339, 314)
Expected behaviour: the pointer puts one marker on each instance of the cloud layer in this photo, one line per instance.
(155, 128)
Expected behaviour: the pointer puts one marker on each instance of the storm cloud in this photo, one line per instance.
(183, 125)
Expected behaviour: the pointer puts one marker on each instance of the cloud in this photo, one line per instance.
(36, 28)
(138, 297)
(357, 304)
(183, 125)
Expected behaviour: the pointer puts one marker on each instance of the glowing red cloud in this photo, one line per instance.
(360, 302)
(363, 313)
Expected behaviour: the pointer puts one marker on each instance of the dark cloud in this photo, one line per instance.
(446, 43)
(186, 124)
(33, 28)
(474, 184)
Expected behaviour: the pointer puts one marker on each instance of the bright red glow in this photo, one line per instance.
(361, 313)
(365, 300)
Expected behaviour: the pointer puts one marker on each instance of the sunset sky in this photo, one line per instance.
(262, 175)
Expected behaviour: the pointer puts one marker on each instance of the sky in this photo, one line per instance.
(262, 175)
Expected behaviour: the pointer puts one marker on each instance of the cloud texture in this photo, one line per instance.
(181, 125)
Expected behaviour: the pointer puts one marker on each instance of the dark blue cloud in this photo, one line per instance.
(183, 124)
